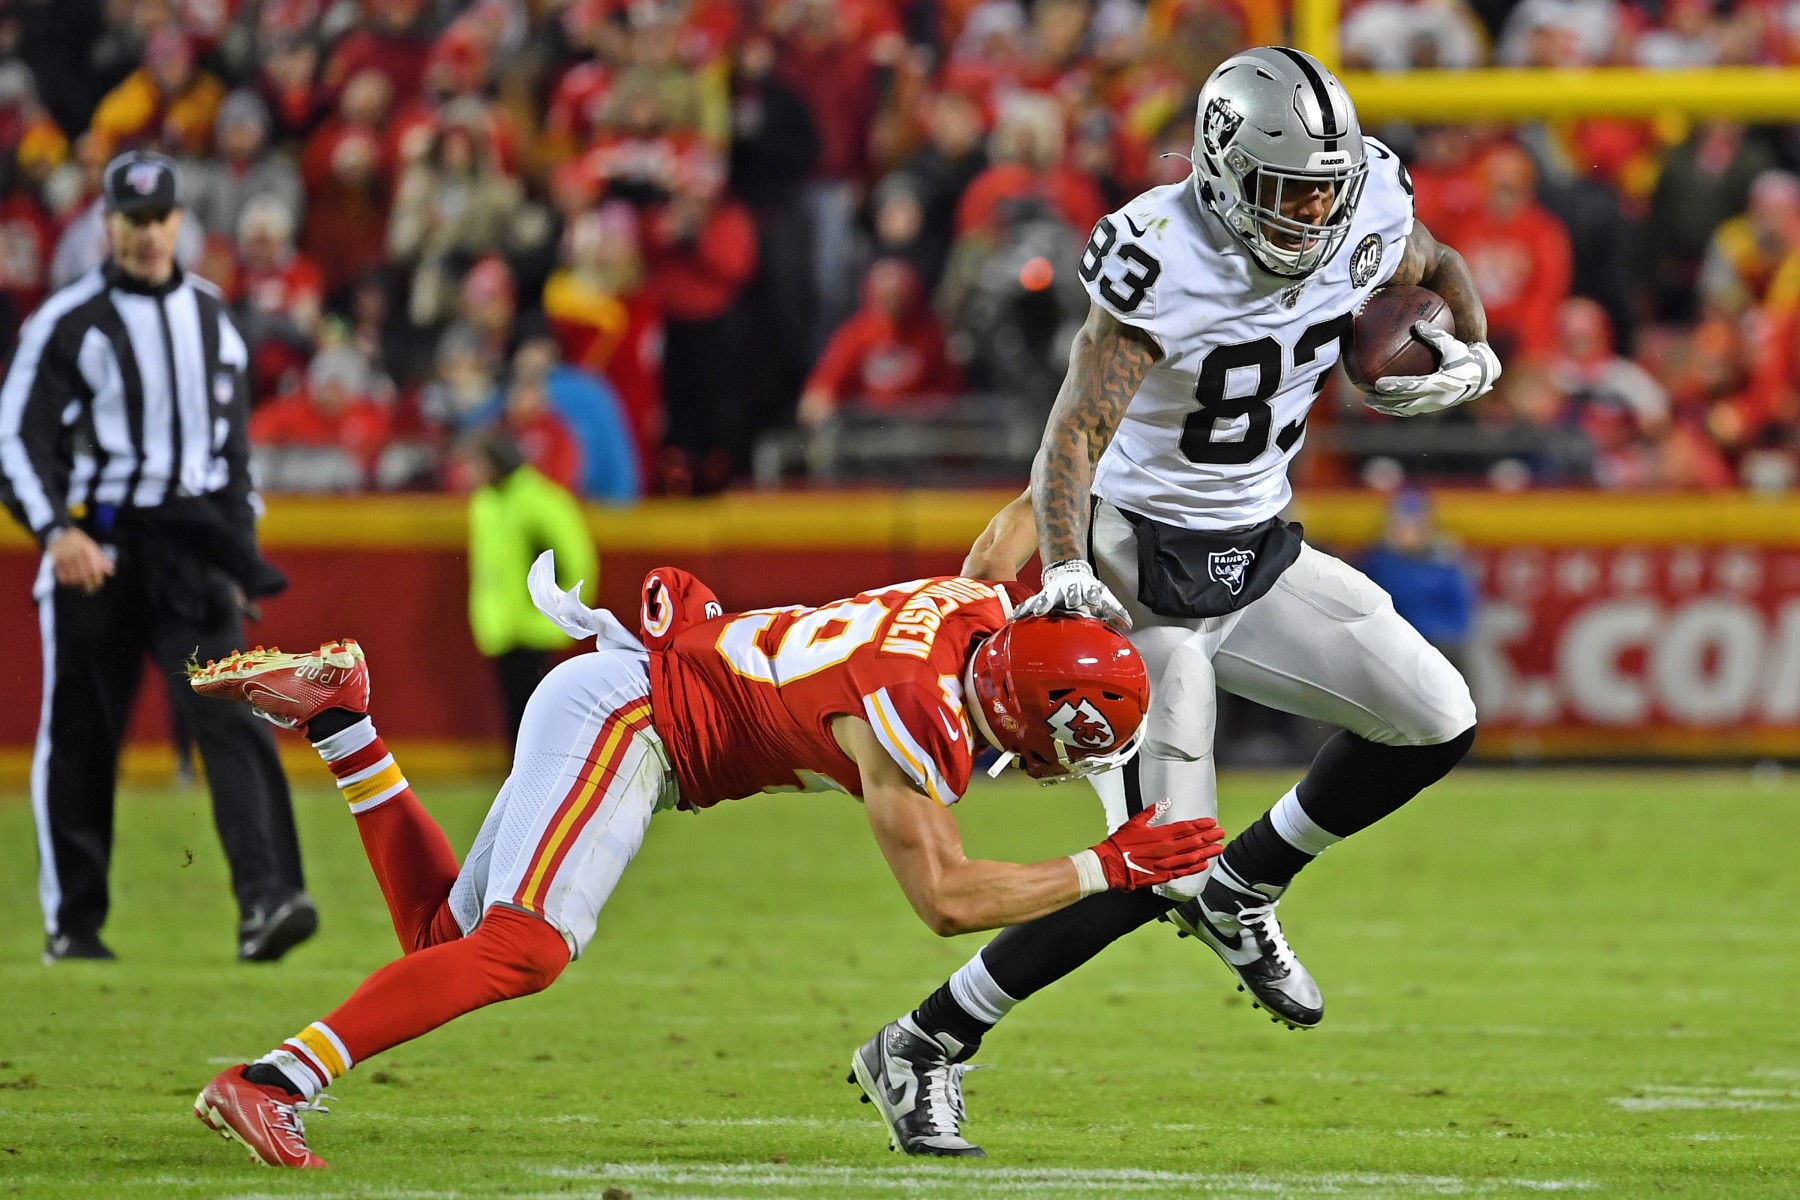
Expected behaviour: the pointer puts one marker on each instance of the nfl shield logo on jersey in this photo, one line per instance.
(1220, 124)
(1228, 567)
(1365, 261)
(1081, 725)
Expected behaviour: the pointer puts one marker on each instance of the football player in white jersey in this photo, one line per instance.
(1219, 306)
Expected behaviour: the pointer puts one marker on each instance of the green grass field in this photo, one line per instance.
(1536, 982)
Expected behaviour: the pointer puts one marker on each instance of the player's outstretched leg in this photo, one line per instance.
(325, 694)
(1352, 784)
(912, 1070)
(510, 954)
(587, 775)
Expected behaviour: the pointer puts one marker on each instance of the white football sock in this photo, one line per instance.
(975, 990)
(1297, 829)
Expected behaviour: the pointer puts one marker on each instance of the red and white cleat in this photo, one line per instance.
(289, 689)
(264, 1120)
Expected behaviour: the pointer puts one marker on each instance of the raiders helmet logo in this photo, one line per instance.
(1219, 124)
(1081, 725)
(1365, 261)
(143, 177)
(1229, 566)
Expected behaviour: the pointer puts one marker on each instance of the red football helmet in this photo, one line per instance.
(672, 600)
(1063, 693)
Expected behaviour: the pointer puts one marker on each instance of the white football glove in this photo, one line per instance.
(1468, 370)
(1070, 586)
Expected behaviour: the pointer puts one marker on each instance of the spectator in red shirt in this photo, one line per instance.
(347, 188)
(1519, 254)
(830, 54)
(325, 437)
(486, 307)
(607, 320)
(288, 84)
(889, 356)
(26, 239)
(1027, 152)
(284, 289)
(390, 39)
(278, 296)
(542, 436)
(700, 251)
(362, 112)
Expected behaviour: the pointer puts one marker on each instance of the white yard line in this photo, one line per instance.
(963, 1180)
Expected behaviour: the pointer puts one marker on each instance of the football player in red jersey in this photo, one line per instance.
(882, 696)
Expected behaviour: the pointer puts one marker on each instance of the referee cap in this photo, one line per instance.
(140, 181)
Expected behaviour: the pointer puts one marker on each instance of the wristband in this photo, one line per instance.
(1089, 873)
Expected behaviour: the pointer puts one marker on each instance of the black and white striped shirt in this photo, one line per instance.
(123, 395)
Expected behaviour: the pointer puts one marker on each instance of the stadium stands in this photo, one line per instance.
(802, 239)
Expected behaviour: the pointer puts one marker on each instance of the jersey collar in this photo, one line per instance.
(122, 280)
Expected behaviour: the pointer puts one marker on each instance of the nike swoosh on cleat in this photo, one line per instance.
(896, 1094)
(255, 691)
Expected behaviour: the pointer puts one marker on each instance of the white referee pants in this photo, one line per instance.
(1325, 642)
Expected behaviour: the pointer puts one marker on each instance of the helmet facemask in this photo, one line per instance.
(1288, 245)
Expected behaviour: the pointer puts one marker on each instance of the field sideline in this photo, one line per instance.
(1536, 983)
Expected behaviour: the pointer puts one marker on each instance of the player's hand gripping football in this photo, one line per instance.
(1070, 586)
(1466, 370)
(1143, 854)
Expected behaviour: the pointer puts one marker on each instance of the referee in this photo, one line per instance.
(124, 451)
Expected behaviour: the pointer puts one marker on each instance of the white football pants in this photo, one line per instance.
(1325, 642)
(588, 774)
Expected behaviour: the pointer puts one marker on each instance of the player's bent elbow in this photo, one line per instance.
(946, 918)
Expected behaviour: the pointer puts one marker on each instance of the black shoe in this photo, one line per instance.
(1237, 922)
(267, 934)
(917, 1089)
(59, 946)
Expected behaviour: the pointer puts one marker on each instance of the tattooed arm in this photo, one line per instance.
(1107, 362)
(1429, 263)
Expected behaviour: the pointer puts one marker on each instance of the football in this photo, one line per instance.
(1382, 342)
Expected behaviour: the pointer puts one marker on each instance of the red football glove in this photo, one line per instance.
(1140, 854)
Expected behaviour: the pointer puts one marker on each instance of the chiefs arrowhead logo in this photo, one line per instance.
(1081, 725)
(659, 609)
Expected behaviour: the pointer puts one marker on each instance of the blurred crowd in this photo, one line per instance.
(634, 236)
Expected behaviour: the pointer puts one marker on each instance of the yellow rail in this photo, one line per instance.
(1501, 94)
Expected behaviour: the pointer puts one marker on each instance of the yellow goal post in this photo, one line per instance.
(1530, 94)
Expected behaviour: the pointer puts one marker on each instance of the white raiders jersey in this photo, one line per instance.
(1205, 443)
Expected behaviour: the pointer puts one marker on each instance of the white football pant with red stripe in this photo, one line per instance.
(588, 774)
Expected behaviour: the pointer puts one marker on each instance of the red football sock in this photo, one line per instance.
(412, 858)
(510, 954)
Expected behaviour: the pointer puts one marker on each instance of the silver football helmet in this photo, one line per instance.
(1274, 125)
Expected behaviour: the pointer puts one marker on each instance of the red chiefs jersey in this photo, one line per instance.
(744, 702)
